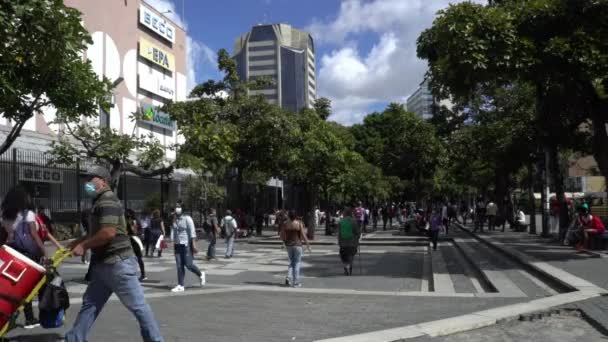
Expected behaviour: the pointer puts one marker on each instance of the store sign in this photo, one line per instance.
(156, 23)
(151, 115)
(156, 82)
(156, 55)
(40, 174)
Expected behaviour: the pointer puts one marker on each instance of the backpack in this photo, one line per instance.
(230, 226)
(346, 229)
(23, 240)
(54, 300)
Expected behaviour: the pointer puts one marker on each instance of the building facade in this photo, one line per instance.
(286, 56)
(421, 101)
(144, 53)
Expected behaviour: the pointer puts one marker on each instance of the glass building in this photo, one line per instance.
(286, 56)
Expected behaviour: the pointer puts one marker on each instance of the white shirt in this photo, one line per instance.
(444, 211)
(179, 233)
(521, 217)
(11, 226)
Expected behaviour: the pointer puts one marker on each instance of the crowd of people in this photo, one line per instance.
(115, 242)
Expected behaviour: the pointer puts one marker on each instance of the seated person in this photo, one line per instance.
(590, 225)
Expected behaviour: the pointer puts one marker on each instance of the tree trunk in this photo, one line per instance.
(239, 189)
(557, 177)
(544, 194)
(309, 210)
(531, 200)
(600, 137)
(116, 173)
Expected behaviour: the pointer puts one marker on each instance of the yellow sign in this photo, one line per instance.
(156, 55)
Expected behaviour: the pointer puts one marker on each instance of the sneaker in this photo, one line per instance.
(143, 278)
(203, 280)
(345, 271)
(297, 285)
(178, 288)
(32, 324)
(287, 282)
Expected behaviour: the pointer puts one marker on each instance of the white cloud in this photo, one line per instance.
(198, 53)
(355, 80)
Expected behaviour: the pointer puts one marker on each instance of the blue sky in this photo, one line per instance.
(365, 49)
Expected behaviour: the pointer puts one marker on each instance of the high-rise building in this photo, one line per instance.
(421, 101)
(284, 54)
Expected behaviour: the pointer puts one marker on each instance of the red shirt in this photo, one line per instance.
(595, 224)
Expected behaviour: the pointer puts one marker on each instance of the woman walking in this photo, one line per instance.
(292, 233)
(156, 229)
(133, 229)
(183, 236)
(23, 234)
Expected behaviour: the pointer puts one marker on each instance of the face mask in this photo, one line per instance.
(178, 211)
(89, 189)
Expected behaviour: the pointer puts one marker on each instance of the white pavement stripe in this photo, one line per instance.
(465, 322)
(426, 272)
(538, 283)
(441, 277)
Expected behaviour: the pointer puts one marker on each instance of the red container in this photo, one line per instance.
(19, 275)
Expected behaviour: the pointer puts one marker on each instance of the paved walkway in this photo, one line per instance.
(592, 267)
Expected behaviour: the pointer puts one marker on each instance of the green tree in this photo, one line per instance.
(41, 65)
(557, 46)
(402, 145)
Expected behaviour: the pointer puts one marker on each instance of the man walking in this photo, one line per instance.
(480, 214)
(491, 211)
(229, 226)
(348, 238)
(213, 230)
(360, 216)
(113, 265)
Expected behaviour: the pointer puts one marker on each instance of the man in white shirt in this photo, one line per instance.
(491, 212)
(444, 217)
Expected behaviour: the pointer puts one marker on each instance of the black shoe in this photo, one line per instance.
(31, 324)
(143, 278)
(350, 270)
(345, 271)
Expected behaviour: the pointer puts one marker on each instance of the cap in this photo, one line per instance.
(583, 207)
(99, 171)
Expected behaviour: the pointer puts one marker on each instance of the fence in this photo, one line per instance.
(58, 187)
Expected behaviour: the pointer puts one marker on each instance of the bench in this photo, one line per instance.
(598, 242)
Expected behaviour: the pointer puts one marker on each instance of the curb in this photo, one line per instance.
(527, 262)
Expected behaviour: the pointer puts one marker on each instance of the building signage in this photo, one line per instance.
(156, 55)
(151, 115)
(40, 174)
(156, 23)
(156, 82)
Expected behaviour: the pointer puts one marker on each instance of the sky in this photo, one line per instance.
(365, 49)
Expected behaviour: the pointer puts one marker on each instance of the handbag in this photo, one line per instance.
(159, 242)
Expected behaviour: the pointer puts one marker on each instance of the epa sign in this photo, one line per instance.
(156, 55)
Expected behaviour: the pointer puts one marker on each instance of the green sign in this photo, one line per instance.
(151, 115)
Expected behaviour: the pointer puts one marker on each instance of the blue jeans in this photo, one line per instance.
(183, 259)
(230, 246)
(211, 248)
(295, 263)
(119, 278)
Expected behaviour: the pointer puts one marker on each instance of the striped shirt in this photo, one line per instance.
(107, 211)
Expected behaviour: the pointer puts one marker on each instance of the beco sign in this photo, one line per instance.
(40, 174)
(156, 23)
(156, 55)
(151, 115)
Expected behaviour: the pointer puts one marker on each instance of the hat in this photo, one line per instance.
(583, 207)
(99, 171)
